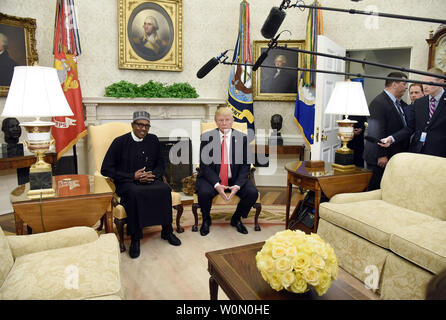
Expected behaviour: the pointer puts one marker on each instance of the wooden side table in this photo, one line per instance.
(284, 149)
(75, 204)
(24, 161)
(319, 180)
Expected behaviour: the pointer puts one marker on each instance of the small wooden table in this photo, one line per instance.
(7, 163)
(75, 204)
(283, 149)
(319, 180)
(235, 271)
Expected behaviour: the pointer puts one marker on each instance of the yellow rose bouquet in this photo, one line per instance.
(293, 260)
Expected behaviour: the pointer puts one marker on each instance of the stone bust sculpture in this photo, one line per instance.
(276, 122)
(11, 130)
(276, 125)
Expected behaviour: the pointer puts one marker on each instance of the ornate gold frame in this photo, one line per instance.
(263, 44)
(29, 26)
(172, 59)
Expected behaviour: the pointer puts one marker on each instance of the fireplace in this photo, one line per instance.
(177, 154)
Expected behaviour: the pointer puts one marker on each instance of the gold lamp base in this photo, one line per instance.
(344, 156)
(41, 193)
(40, 174)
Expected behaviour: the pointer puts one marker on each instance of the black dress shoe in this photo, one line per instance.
(171, 238)
(204, 230)
(239, 225)
(134, 250)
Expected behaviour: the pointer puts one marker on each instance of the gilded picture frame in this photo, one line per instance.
(19, 34)
(151, 35)
(270, 85)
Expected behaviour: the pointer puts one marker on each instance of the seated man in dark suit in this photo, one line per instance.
(224, 166)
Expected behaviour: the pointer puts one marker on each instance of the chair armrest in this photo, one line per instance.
(103, 184)
(357, 196)
(26, 244)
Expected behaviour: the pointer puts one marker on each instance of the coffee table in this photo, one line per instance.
(75, 204)
(235, 271)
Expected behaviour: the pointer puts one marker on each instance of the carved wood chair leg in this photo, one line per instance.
(102, 223)
(179, 208)
(195, 207)
(120, 227)
(258, 207)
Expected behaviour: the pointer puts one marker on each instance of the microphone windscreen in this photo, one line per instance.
(204, 70)
(272, 23)
(260, 60)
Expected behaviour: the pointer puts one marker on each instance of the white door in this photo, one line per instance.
(325, 140)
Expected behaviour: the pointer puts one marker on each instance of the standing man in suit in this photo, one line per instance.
(415, 92)
(386, 116)
(224, 170)
(427, 122)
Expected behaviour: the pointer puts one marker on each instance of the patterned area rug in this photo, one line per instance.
(223, 213)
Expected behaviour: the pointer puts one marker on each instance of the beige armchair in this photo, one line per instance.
(394, 237)
(101, 137)
(242, 127)
(72, 263)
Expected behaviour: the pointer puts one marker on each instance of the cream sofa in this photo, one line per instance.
(72, 263)
(394, 237)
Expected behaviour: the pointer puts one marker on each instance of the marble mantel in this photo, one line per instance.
(98, 109)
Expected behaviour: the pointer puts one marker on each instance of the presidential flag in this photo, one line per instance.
(240, 83)
(68, 130)
(304, 109)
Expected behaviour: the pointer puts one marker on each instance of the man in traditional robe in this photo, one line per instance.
(135, 164)
(224, 171)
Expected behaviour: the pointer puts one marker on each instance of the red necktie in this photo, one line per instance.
(224, 163)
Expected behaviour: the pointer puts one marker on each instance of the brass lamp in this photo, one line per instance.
(36, 92)
(346, 99)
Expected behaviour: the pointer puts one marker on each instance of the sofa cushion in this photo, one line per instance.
(374, 220)
(416, 182)
(69, 237)
(6, 259)
(422, 244)
(80, 272)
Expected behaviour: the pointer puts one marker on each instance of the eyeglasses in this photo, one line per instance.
(142, 125)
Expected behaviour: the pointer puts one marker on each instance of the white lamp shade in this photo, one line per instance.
(36, 92)
(348, 98)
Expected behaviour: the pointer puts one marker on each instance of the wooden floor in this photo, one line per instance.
(268, 196)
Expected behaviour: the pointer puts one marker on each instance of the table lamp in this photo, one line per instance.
(36, 91)
(346, 99)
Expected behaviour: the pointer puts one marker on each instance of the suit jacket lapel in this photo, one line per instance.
(393, 107)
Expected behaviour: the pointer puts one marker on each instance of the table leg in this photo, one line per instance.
(213, 288)
(288, 203)
(317, 202)
(108, 222)
(18, 225)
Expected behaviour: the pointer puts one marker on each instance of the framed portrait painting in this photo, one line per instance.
(17, 47)
(273, 83)
(150, 35)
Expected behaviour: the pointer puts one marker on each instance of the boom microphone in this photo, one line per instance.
(272, 23)
(271, 45)
(260, 60)
(211, 64)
